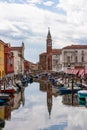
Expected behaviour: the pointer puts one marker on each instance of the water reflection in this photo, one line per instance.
(6, 109)
(70, 99)
(39, 107)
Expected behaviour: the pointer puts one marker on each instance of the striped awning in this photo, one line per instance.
(69, 71)
(81, 72)
(75, 71)
(85, 71)
(72, 71)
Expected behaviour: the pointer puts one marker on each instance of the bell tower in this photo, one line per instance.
(49, 42)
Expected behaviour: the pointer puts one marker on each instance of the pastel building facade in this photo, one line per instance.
(74, 55)
(8, 60)
(56, 60)
(18, 53)
(2, 70)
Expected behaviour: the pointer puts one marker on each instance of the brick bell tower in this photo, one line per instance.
(49, 42)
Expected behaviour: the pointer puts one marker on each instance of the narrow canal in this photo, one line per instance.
(43, 109)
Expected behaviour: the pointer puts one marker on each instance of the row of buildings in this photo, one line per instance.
(73, 56)
(12, 60)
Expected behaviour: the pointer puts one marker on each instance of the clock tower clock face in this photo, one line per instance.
(49, 43)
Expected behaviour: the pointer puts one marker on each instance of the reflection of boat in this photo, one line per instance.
(3, 102)
(2, 123)
(64, 90)
(82, 97)
(68, 99)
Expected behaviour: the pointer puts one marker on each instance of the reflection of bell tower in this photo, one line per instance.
(49, 98)
(49, 42)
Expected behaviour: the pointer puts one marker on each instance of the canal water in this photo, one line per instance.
(43, 109)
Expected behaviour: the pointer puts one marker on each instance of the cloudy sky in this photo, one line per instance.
(28, 21)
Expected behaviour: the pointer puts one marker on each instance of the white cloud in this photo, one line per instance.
(48, 3)
(34, 1)
(76, 10)
(28, 23)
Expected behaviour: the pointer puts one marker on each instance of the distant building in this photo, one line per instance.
(2, 70)
(56, 60)
(26, 66)
(34, 67)
(18, 53)
(8, 60)
(74, 55)
(50, 60)
(45, 59)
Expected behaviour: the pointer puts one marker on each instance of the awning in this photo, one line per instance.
(81, 73)
(69, 71)
(75, 71)
(85, 71)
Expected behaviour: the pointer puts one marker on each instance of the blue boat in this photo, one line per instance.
(3, 102)
(82, 93)
(64, 90)
(82, 97)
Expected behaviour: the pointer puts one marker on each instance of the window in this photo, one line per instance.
(82, 58)
(8, 61)
(68, 59)
(76, 59)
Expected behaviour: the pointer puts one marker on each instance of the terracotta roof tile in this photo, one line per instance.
(56, 51)
(44, 53)
(16, 48)
(76, 47)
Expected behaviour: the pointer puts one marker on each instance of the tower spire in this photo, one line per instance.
(49, 34)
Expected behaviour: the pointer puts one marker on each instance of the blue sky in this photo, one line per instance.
(28, 21)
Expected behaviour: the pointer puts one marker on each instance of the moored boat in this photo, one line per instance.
(10, 89)
(4, 96)
(82, 93)
(64, 90)
(82, 97)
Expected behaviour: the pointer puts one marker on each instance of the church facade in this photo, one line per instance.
(49, 60)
